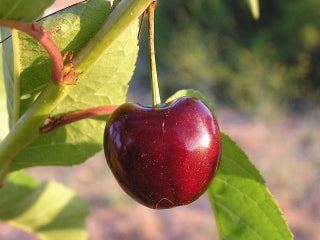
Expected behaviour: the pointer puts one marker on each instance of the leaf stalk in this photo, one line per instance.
(45, 39)
(55, 123)
(27, 127)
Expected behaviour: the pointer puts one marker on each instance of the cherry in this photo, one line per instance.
(164, 156)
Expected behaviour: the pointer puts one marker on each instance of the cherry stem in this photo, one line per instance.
(45, 39)
(141, 23)
(153, 67)
(54, 123)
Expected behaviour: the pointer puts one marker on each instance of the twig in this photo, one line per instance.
(45, 39)
(5, 172)
(54, 123)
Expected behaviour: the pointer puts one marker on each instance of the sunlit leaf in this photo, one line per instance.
(106, 83)
(3, 108)
(23, 10)
(242, 204)
(255, 9)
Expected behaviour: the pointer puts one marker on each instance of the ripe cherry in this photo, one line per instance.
(165, 156)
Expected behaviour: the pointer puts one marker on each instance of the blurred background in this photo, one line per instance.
(263, 78)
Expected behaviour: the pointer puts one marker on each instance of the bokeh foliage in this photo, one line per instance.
(262, 66)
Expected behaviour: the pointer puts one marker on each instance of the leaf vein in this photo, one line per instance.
(230, 212)
(251, 199)
(240, 166)
(14, 7)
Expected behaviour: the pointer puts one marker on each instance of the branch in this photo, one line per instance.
(54, 123)
(45, 39)
(27, 127)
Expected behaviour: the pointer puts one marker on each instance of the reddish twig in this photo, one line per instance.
(45, 39)
(54, 123)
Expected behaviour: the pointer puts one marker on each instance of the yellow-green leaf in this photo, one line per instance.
(4, 128)
(49, 210)
(23, 10)
(254, 7)
(105, 83)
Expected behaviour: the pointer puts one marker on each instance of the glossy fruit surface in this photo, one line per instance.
(163, 157)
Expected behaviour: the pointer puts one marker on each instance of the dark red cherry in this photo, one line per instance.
(163, 157)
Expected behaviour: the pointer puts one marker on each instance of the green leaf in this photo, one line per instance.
(8, 71)
(106, 83)
(243, 206)
(254, 7)
(4, 128)
(49, 210)
(23, 10)
(193, 93)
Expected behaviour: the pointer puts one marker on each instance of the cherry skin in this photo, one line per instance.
(163, 157)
